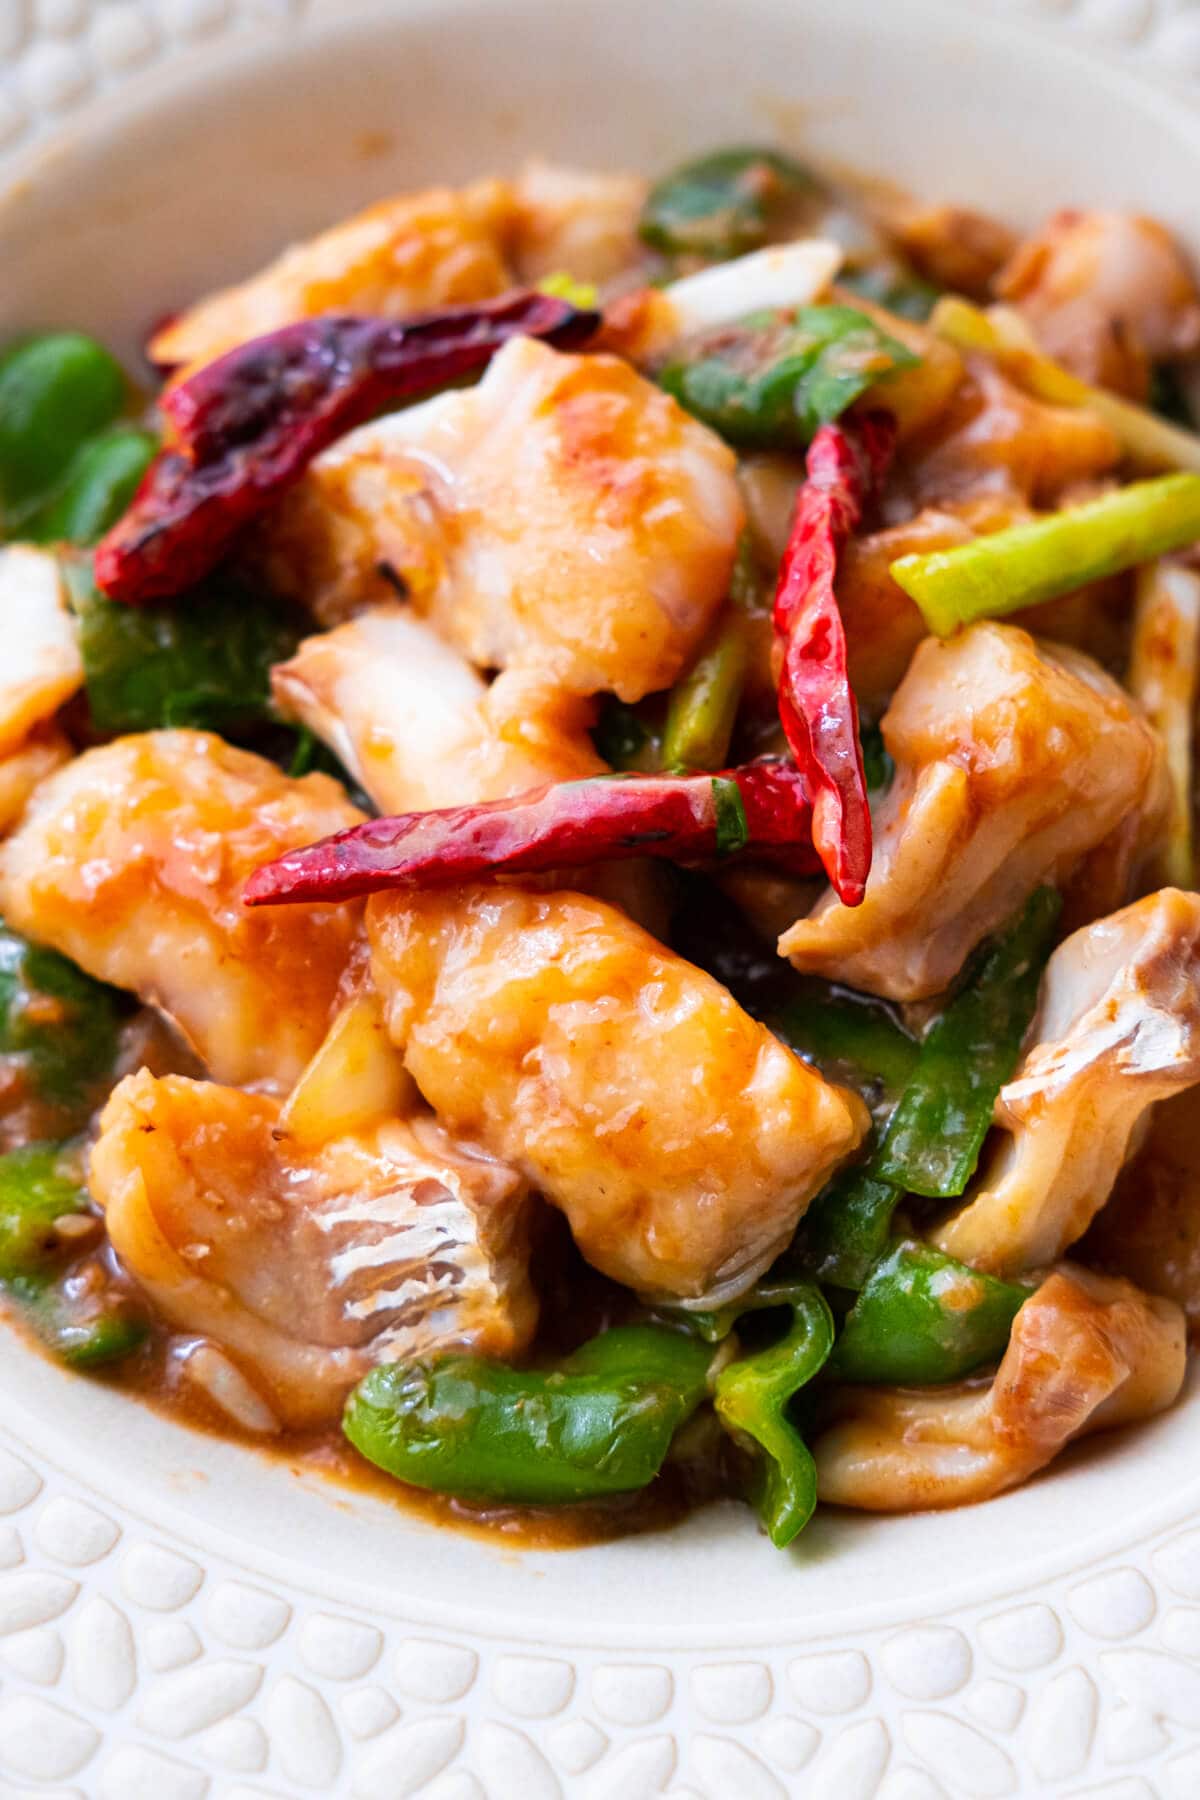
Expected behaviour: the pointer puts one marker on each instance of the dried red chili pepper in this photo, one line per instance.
(761, 809)
(816, 702)
(247, 425)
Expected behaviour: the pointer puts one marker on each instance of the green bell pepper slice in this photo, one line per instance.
(752, 1396)
(600, 1424)
(57, 390)
(725, 203)
(771, 381)
(922, 1317)
(101, 483)
(850, 1038)
(1026, 564)
(40, 1185)
(629, 737)
(59, 1030)
(895, 289)
(204, 662)
(936, 1132)
(81, 1331)
(931, 1143)
(878, 765)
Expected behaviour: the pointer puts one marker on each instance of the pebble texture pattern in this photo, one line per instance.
(133, 1669)
(56, 55)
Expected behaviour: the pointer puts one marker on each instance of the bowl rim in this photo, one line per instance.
(215, 1534)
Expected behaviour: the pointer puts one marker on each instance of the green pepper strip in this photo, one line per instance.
(76, 1331)
(629, 742)
(855, 1039)
(601, 1424)
(751, 1397)
(102, 481)
(932, 1141)
(1027, 564)
(56, 391)
(894, 288)
(59, 1030)
(771, 380)
(38, 1186)
(923, 1317)
(878, 766)
(935, 1135)
(724, 203)
(203, 665)
(702, 706)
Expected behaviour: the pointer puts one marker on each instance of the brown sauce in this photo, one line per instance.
(577, 1303)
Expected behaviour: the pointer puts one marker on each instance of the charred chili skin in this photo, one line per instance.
(248, 424)
(921, 1317)
(600, 1424)
(761, 808)
(932, 1141)
(817, 708)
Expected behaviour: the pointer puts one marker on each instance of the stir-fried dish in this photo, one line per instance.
(598, 876)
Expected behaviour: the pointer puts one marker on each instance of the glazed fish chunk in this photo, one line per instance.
(1087, 1352)
(994, 440)
(1117, 1028)
(418, 251)
(417, 727)
(680, 1138)
(580, 222)
(403, 255)
(41, 666)
(1013, 760)
(1105, 292)
(564, 514)
(23, 770)
(131, 861)
(309, 1264)
(1150, 1226)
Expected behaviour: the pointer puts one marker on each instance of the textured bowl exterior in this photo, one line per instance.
(181, 1620)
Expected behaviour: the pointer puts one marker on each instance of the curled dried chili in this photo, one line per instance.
(247, 425)
(845, 464)
(761, 809)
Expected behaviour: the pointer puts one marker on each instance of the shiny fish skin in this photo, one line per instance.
(310, 1265)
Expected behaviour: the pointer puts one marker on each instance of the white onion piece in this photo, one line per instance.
(783, 275)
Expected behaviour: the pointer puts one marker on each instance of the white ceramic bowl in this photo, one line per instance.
(222, 1618)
